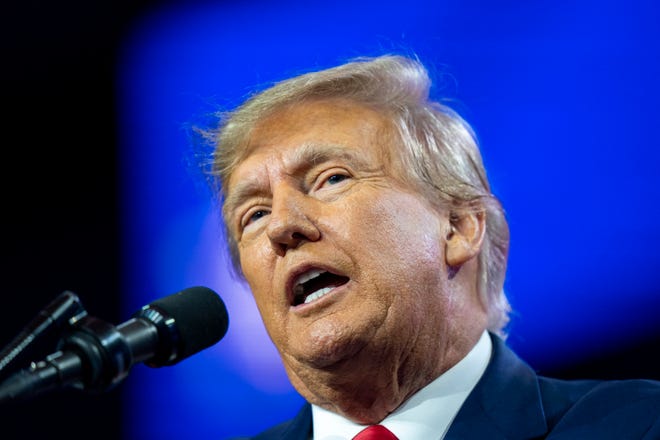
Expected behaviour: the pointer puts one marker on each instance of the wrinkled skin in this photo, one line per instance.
(319, 189)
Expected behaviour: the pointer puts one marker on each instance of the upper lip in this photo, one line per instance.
(297, 272)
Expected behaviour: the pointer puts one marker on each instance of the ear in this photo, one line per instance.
(465, 237)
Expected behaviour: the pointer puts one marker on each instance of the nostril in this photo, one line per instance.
(293, 241)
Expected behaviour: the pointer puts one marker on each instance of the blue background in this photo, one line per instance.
(563, 97)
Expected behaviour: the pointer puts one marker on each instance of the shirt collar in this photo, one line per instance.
(428, 413)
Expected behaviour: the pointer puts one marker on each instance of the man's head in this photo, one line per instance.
(437, 150)
(361, 217)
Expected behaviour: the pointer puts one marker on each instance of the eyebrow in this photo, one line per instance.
(315, 154)
(304, 158)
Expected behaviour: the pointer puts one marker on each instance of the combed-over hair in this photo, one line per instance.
(438, 150)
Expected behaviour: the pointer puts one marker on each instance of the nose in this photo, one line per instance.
(290, 222)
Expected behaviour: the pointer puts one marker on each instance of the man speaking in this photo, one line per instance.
(360, 214)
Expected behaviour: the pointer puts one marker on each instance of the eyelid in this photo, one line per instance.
(243, 220)
(322, 178)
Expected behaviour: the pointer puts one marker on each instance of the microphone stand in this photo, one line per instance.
(63, 310)
(91, 356)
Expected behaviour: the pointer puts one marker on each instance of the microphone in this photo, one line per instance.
(95, 356)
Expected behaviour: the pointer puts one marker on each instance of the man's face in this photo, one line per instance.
(345, 262)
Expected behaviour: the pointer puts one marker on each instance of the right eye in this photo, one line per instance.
(253, 216)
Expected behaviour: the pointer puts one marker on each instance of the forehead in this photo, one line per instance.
(315, 130)
(334, 120)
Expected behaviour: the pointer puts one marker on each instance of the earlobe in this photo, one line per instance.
(465, 237)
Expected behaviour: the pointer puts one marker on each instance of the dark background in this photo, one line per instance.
(60, 207)
(59, 193)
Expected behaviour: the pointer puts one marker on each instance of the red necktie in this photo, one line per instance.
(375, 432)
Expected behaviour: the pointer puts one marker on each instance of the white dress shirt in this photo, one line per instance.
(428, 413)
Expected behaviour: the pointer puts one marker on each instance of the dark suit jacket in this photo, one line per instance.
(512, 402)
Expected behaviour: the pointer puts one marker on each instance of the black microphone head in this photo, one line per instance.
(188, 321)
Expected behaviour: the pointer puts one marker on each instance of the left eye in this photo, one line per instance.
(336, 178)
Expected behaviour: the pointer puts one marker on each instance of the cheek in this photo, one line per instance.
(411, 250)
(254, 258)
(258, 273)
(403, 232)
(397, 246)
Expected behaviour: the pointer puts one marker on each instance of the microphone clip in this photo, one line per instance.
(91, 354)
(58, 316)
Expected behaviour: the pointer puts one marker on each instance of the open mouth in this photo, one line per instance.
(314, 284)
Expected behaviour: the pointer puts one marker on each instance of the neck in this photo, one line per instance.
(366, 395)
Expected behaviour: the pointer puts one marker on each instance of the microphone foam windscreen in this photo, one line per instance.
(200, 315)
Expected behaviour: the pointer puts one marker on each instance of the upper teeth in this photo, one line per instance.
(307, 276)
(302, 279)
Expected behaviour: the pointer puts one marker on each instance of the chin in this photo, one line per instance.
(328, 350)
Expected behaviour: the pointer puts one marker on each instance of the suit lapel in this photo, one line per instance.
(299, 428)
(505, 404)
